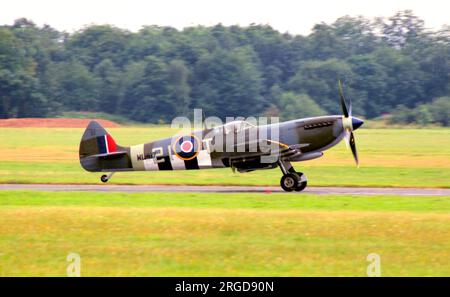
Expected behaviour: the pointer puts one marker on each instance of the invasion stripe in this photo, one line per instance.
(177, 163)
(135, 151)
(204, 159)
(166, 165)
(150, 165)
(191, 164)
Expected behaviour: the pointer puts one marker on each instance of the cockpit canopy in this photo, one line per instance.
(234, 126)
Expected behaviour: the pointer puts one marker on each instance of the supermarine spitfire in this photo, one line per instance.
(252, 147)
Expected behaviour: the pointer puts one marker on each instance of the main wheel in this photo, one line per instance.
(302, 182)
(301, 186)
(104, 178)
(289, 182)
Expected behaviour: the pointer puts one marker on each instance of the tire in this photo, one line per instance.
(104, 178)
(289, 182)
(301, 186)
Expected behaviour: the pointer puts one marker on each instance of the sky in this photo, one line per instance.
(296, 17)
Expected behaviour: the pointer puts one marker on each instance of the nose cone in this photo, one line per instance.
(356, 123)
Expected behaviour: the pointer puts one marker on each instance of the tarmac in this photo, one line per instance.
(226, 189)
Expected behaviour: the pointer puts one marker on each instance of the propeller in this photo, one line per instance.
(350, 123)
(343, 104)
(204, 119)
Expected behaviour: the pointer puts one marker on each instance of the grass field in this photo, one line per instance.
(389, 157)
(157, 234)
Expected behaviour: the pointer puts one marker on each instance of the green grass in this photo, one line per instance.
(158, 234)
(272, 201)
(389, 157)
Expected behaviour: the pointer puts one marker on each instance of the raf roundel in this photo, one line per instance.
(186, 147)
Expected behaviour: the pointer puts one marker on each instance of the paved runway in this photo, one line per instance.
(227, 189)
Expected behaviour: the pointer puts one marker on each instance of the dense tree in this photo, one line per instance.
(23, 64)
(319, 80)
(76, 87)
(179, 89)
(388, 65)
(440, 110)
(403, 29)
(437, 112)
(228, 83)
(110, 85)
(294, 106)
(97, 43)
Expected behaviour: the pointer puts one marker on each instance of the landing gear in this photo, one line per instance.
(291, 179)
(105, 178)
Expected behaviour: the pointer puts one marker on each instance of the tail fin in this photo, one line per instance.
(99, 151)
(96, 141)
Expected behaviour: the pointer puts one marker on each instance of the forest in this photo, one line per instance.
(389, 66)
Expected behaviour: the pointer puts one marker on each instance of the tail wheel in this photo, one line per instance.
(289, 182)
(104, 178)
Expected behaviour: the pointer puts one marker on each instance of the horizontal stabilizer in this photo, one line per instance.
(108, 156)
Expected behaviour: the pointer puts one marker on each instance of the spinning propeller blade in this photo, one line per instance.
(343, 104)
(350, 123)
(353, 147)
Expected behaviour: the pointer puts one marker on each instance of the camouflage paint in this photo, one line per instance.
(299, 140)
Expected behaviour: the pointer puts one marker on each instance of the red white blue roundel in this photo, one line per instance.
(186, 147)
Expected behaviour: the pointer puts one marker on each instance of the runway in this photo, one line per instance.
(226, 189)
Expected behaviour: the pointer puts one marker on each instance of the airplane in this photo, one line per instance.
(298, 140)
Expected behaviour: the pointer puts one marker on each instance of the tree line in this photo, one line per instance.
(387, 65)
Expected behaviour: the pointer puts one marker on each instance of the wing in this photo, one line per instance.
(272, 147)
(285, 152)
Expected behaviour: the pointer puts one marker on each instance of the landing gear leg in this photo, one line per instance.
(291, 179)
(105, 178)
